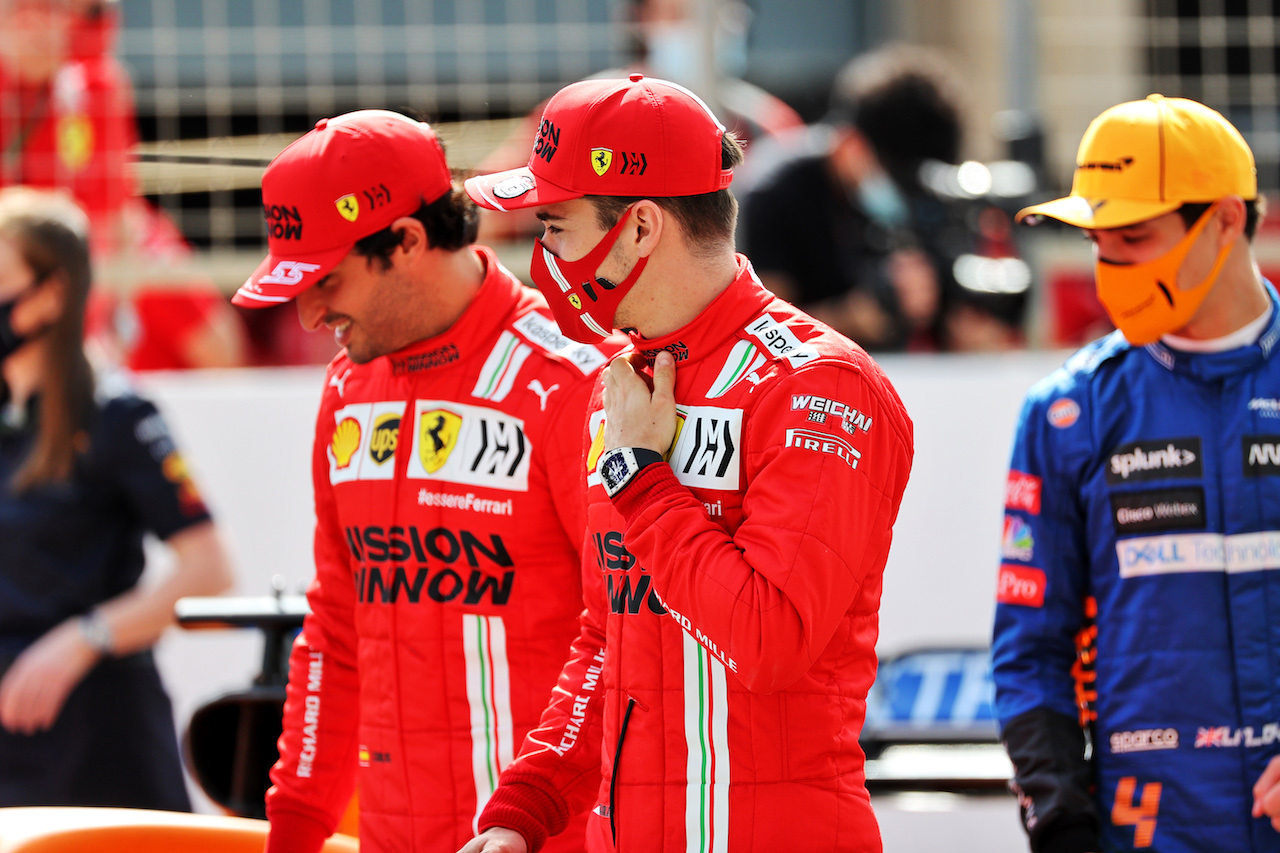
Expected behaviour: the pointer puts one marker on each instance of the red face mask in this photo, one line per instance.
(582, 304)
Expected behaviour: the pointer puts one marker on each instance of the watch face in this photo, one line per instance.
(614, 471)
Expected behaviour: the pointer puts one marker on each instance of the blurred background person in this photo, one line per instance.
(67, 121)
(840, 221)
(86, 469)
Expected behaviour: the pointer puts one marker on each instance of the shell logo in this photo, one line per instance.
(345, 442)
(597, 447)
(681, 417)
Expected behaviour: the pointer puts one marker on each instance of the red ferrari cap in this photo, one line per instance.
(349, 177)
(633, 137)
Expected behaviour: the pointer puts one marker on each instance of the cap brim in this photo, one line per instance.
(515, 189)
(280, 278)
(1097, 212)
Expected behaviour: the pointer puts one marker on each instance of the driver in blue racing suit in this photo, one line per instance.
(1138, 599)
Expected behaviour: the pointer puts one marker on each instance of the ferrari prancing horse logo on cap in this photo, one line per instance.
(601, 159)
(349, 207)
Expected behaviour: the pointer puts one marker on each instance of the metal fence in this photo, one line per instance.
(1225, 53)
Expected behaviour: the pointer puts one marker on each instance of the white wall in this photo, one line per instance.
(247, 435)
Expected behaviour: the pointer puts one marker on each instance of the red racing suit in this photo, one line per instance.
(449, 509)
(720, 683)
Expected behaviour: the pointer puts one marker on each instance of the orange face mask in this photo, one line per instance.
(1144, 300)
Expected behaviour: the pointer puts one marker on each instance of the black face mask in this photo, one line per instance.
(9, 339)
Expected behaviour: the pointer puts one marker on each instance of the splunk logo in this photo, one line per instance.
(450, 565)
(1155, 460)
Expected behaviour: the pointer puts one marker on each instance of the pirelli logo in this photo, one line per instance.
(824, 442)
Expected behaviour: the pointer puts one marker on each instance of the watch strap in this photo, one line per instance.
(619, 466)
(96, 632)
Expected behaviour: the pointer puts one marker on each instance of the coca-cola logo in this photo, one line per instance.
(1022, 491)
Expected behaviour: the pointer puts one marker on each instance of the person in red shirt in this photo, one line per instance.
(449, 493)
(67, 122)
(745, 465)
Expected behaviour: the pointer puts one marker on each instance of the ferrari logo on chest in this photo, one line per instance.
(439, 430)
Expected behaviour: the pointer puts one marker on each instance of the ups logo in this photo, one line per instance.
(437, 435)
(386, 433)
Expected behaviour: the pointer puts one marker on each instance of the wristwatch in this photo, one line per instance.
(96, 632)
(619, 466)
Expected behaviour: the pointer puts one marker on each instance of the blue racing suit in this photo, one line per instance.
(1139, 600)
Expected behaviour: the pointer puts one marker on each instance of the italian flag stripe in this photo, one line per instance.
(489, 700)
(740, 362)
(706, 738)
(500, 368)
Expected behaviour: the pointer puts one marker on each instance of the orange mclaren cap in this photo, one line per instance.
(1143, 159)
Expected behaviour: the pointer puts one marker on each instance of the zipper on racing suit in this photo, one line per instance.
(617, 760)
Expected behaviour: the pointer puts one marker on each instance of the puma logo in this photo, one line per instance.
(543, 393)
(340, 382)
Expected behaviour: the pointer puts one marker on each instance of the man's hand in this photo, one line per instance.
(36, 686)
(496, 840)
(1266, 793)
(634, 416)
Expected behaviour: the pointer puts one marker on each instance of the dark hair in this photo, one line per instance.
(51, 234)
(1255, 210)
(451, 222)
(708, 219)
(904, 100)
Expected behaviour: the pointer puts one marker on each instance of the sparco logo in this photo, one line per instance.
(1144, 740)
(1261, 454)
(1155, 460)
(1155, 511)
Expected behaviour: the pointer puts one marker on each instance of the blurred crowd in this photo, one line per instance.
(858, 217)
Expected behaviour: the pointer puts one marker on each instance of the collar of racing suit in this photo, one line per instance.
(731, 311)
(473, 332)
(1214, 366)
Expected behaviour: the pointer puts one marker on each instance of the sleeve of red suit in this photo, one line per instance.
(314, 779)
(815, 527)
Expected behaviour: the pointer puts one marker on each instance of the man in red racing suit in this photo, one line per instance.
(745, 467)
(449, 498)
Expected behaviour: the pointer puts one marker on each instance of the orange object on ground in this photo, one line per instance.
(87, 830)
